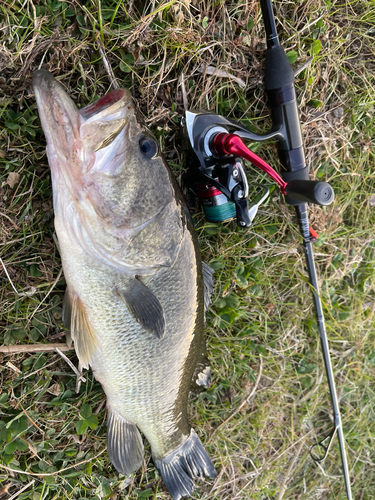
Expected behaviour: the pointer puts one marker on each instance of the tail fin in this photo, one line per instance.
(182, 466)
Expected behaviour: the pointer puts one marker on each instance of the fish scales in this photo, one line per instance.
(135, 294)
(141, 377)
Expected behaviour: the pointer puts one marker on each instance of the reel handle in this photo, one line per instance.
(317, 192)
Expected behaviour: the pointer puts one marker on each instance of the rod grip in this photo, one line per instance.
(317, 192)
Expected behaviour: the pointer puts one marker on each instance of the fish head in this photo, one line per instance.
(103, 160)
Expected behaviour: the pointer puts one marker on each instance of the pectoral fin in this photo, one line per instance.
(75, 317)
(144, 307)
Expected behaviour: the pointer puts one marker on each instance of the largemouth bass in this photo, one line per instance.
(135, 290)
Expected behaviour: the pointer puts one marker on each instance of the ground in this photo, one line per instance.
(263, 345)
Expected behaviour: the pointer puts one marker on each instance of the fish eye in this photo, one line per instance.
(148, 146)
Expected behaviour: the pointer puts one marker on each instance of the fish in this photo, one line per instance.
(137, 289)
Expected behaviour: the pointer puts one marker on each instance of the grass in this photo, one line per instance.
(262, 306)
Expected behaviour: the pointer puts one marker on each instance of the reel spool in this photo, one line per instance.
(215, 205)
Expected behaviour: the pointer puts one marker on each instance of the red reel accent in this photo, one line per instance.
(230, 144)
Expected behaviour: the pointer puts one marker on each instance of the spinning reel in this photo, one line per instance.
(216, 170)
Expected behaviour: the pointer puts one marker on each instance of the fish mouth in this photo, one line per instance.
(68, 129)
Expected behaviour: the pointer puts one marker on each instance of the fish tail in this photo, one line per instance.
(124, 443)
(182, 466)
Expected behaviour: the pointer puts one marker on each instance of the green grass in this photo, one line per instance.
(262, 306)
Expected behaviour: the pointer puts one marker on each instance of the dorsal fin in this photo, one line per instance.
(67, 316)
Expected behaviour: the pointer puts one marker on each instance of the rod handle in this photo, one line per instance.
(317, 192)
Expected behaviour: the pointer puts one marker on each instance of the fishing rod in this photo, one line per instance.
(216, 174)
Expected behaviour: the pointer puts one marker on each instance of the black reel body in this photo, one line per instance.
(212, 178)
(218, 181)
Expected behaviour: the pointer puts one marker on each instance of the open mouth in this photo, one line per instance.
(93, 127)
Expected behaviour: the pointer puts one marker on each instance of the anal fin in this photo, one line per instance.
(124, 442)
